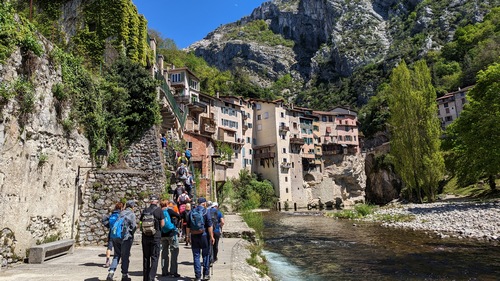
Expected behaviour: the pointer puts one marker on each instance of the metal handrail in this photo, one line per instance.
(181, 116)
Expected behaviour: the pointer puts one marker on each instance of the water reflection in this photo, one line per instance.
(321, 248)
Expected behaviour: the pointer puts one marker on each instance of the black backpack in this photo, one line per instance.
(215, 219)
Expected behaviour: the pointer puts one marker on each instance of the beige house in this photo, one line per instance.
(450, 106)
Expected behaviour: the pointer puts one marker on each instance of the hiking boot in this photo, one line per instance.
(175, 275)
(197, 279)
(110, 276)
(126, 278)
(206, 277)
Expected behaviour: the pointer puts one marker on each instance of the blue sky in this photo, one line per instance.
(188, 21)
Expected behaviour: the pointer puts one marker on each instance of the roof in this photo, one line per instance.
(452, 94)
(180, 69)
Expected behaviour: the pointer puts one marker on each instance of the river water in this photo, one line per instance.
(308, 247)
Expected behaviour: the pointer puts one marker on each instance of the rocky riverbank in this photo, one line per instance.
(464, 219)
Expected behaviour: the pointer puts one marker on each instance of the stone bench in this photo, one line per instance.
(42, 252)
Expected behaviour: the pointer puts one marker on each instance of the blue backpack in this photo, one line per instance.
(118, 230)
(214, 215)
(188, 153)
(169, 226)
(113, 218)
(197, 218)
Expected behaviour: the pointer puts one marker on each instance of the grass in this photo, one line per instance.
(257, 260)
(360, 210)
(477, 191)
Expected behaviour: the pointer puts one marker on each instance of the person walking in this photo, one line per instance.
(200, 234)
(169, 244)
(152, 220)
(188, 184)
(108, 221)
(217, 224)
(184, 219)
(122, 241)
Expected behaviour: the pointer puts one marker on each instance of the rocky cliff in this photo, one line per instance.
(333, 39)
(38, 158)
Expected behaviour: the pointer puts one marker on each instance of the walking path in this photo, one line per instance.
(86, 263)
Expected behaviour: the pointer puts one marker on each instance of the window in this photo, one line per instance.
(257, 106)
(266, 115)
(323, 118)
(449, 118)
(447, 110)
(354, 138)
(284, 151)
(254, 141)
(259, 117)
(293, 164)
(445, 105)
(286, 180)
(248, 140)
(283, 136)
(284, 160)
(348, 138)
(286, 190)
(282, 115)
(190, 145)
(176, 77)
(259, 127)
(330, 119)
(463, 101)
(294, 125)
(315, 128)
(250, 151)
(249, 125)
(340, 138)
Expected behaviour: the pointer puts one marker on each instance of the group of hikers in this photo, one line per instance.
(163, 224)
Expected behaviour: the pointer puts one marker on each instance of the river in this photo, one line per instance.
(308, 247)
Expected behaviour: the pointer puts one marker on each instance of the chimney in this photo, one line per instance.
(160, 62)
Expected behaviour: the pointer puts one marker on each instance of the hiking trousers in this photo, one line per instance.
(122, 251)
(169, 245)
(200, 245)
(150, 256)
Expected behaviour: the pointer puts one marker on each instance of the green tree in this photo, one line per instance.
(415, 130)
(474, 135)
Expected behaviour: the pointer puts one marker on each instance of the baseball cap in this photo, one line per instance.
(153, 198)
(130, 203)
(201, 200)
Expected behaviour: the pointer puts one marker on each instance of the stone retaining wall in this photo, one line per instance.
(144, 176)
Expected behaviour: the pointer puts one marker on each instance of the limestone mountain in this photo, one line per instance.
(347, 45)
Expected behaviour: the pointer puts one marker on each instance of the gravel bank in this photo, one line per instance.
(458, 219)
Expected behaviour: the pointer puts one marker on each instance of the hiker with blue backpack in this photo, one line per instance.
(108, 221)
(169, 242)
(122, 235)
(199, 233)
(152, 220)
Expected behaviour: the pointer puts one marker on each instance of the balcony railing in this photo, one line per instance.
(298, 141)
(244, 127)
(286, 165)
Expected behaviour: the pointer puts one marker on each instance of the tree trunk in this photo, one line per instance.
(491, 182)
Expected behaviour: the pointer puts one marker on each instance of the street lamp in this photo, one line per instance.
(100, 156)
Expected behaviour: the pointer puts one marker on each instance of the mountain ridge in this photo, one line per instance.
(334, 40)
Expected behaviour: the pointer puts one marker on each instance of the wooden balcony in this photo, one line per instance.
(298, 141)
(265, 155)
(208, 125)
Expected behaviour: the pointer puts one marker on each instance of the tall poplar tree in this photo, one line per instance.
(475, 135)
(415, 130)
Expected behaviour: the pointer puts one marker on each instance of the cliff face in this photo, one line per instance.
(38, 158)
(334, 38)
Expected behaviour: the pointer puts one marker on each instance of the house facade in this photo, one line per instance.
(450, 106)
